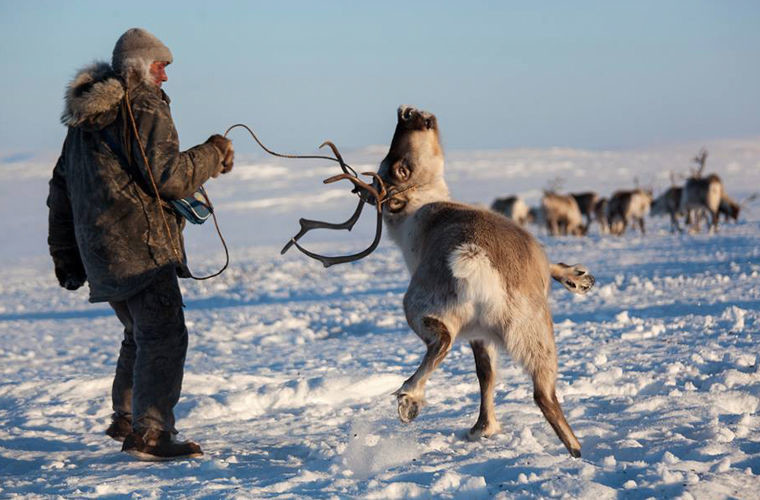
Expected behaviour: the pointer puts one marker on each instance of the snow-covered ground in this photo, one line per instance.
(291, 366)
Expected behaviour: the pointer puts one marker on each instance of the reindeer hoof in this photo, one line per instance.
(479, 431)
(408, 408)
(579, 270)
(577, 278)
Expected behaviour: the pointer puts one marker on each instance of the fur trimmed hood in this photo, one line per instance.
(93, 96)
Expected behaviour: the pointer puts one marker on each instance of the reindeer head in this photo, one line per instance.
(412, 171)
(410, 176)
(730, 208)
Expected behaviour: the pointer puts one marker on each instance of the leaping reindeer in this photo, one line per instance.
(475, 275)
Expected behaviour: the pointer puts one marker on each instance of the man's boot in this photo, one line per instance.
(120, 428)
(154, 445)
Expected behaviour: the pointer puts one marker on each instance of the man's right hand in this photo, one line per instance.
(227, 152)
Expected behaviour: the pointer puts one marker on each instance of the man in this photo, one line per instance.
(108, 227)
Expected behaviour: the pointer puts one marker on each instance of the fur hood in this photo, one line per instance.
(93, 96)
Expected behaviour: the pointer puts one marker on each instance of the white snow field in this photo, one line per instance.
(291, 366)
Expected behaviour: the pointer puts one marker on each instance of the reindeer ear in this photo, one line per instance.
(404, 112)
(401, 171)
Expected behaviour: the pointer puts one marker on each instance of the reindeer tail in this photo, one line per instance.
(575, 278)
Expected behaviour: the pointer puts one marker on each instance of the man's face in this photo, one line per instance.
(158, 72)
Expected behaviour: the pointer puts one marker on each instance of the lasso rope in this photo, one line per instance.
(161, 208)
(348, 173)
(338, 158)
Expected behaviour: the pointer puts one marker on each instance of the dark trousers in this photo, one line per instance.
(151, 362)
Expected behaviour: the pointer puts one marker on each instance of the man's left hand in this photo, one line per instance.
(229, 159)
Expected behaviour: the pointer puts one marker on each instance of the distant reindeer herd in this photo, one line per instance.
(573, 214)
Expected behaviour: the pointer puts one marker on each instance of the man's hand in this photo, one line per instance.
(226, 150)
(69, 282)
(69, 270)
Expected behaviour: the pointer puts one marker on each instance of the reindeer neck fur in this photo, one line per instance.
(413, 169)
(406, 228)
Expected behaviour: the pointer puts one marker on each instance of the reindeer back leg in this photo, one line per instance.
(485, 367)
(532, 345)
(545, 396)
(674, 225)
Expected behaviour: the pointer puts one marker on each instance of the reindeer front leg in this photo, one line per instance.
(485, 360)
(411, 395)
(715, 217)
(641, 225)
(674, 225)
(553, 227)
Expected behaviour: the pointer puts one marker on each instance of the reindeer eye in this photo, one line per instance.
(428, 123)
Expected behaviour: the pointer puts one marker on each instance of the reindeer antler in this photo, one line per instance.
(749, 199)
(700, 160)
(308, 224)
(366, 195)
(343, 165)
(338, 259)
(363, 190)
(554, 185)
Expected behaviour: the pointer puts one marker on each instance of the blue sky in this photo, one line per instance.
(596, 75)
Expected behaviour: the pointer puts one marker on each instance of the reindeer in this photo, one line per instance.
(475, 275)
(669, 203)
(562, 215)
(700, 195)
(600, 215)
(628, 206)
(586, 203)
(513, 207)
